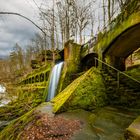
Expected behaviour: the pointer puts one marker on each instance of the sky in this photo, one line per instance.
(14, 29)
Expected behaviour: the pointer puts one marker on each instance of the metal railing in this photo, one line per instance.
(118, 73)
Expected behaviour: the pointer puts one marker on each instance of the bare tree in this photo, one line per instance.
(83, 17)
(71, 18)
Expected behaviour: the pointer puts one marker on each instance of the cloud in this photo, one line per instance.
(14, 29)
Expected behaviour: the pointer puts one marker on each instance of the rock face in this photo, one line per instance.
(133, 131)
(86, 92)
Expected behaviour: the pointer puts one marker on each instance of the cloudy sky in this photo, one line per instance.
(14, 29)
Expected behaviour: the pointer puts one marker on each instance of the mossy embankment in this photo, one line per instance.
(86, 92)
(12, 131)
(26, 101)
(40, 123)
(134, 72)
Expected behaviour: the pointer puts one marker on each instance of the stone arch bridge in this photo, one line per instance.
(113, 47)
(117, 44)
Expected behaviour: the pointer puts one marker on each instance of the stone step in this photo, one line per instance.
(133, 131)
(110, 88)
(114, 83)
(130, 89)
(110, 79)
(105, 74)
(124, 88)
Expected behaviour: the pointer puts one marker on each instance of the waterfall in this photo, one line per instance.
(54, 79)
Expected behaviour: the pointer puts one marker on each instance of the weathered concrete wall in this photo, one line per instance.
(72, 55)
(71, 64)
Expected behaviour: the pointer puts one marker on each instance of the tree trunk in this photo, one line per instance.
(80, 34)
(104, 13)
(109, 11)
(112, 12)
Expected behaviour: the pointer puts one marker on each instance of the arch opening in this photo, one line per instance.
(88, 61)
(122, 47)
(133, 60)
(41, 77)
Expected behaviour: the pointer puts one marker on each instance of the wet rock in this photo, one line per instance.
(133, 131)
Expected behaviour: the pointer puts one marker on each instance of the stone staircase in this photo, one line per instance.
(125, 93)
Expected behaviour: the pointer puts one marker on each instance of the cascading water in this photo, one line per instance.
(4, 96)
(2, 89)
(54, 79)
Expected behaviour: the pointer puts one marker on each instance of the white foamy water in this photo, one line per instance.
(4, 99)
(2, 89)
(4, 102)
(54, 79)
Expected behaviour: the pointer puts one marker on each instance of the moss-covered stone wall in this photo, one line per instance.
(71, 64)
(86, 92)
(14, 130)
(27, 99)
(109, 37)
(116, 37)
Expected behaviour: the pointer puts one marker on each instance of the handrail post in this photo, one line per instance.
(118, 79)
(95, 62)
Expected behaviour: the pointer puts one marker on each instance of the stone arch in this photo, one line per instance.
(33, 79)
(88, 61)
(27, 81)
(41, 77)
(122, 46)
(30, 80)
(37, 78)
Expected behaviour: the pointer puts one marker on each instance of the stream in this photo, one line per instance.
(4, 99)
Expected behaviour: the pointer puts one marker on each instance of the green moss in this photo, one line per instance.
(26, 101)
(16, 127)
(12, 131)
(91, 119)
(71, 65)
(135, 72)
(117, 30)
(108, 36)
(86, 92)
